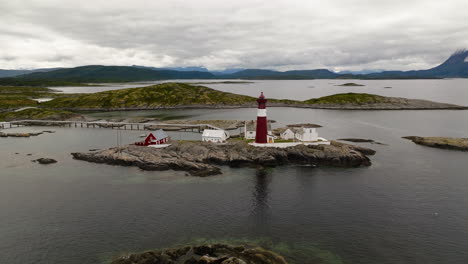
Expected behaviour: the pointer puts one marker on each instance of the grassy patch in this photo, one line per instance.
(13, 97)
(37, 114)
(348, 98)
(161, 95)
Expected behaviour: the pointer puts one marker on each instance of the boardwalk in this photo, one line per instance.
(113, 125)
(5, 125)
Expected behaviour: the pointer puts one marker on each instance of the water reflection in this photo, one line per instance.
(260, 202)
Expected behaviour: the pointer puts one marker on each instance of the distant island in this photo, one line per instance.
(180, 96)
(350, 84)
(454, 67)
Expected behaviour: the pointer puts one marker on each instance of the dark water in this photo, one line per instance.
(410, 206)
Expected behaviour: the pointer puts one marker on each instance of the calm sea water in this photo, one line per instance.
(410, 206)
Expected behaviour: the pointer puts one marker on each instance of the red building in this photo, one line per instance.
(261, 134)
(154, 138)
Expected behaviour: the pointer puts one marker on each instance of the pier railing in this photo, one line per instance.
(113, 125)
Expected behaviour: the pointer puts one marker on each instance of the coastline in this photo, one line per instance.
(203, 158)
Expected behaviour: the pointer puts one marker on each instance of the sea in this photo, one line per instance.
(409, 206)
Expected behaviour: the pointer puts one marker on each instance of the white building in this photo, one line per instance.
(307, 134)
(215, 136)
(250, 128)
(288, 134)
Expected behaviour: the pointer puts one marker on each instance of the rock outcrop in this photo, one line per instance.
(28, 134)
(45, 161)
(202, 158)
(441, 142)
(204, 254)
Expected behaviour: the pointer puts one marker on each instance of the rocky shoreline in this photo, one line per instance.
(441, 142)
(204, 254)
(391, 103)
(203, 158)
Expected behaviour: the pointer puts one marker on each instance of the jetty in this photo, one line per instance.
(198, 128)
(5, 125)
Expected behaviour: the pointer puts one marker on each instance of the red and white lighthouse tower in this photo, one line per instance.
(261, 135)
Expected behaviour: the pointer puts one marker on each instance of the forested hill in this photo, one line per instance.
(455, 66)
(97, 73)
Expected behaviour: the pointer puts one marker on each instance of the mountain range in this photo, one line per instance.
(456, 66)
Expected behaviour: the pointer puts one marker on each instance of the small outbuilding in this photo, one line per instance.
(307, 134)
(154, 138)
(215, 136)
(288, 134)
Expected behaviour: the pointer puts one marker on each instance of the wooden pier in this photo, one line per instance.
(5, 125)
(198, 128)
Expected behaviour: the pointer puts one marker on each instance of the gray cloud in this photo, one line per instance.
(275, 34)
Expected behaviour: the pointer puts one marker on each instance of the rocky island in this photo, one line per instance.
(203, 158)
(182, 95)
(204, 254)
(179, 96)
(441, 142)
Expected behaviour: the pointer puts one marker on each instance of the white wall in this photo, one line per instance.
(213, 139)
(287, 134)
(310, 134)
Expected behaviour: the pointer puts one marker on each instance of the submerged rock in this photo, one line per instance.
(204, 254)
(357, 140)
(441, 142)
(27, 134)
(361, 140)
(19, 134)
(201, 158)
(45, 161)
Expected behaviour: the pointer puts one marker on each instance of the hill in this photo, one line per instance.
(13, 73)
(15, 97)
(97, 73)
(182, 95)
(276, 75)
(455, 66)
(166, 95)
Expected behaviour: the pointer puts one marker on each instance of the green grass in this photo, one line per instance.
(164, 95)
(12, 97)
(161, 95)
(348, 98)
(37, 114)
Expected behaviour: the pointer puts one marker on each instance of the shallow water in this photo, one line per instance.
(410, 206)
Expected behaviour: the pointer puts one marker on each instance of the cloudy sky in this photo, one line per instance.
(217, 34)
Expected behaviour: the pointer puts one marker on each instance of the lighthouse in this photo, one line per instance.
(261, 133)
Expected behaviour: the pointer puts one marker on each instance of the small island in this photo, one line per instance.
(204, 158)
(441, 142)
(350, 84)
(204, 254)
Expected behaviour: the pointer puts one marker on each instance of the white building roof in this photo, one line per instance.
(159, 134)
(214, 133)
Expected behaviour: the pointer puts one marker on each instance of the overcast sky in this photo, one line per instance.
(217, 34)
